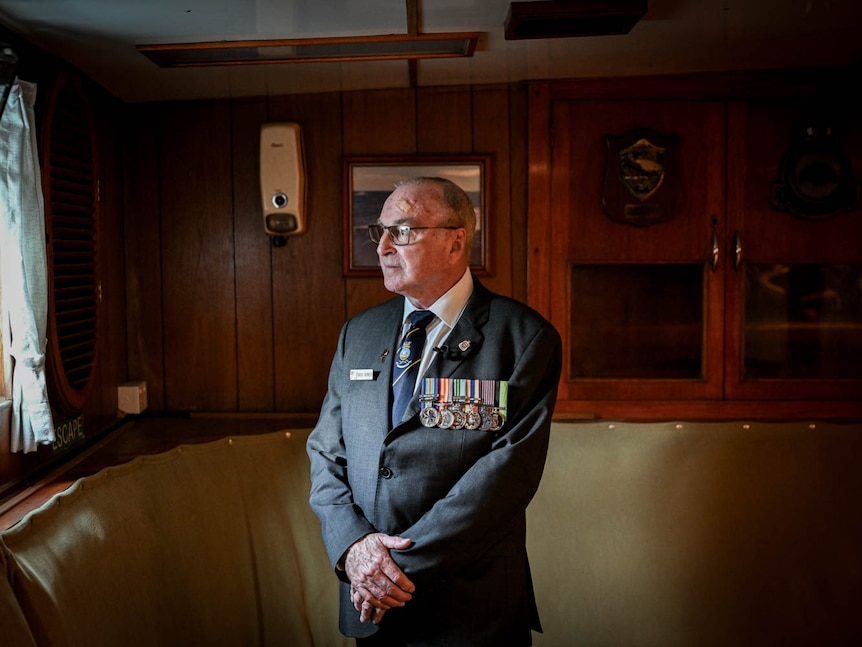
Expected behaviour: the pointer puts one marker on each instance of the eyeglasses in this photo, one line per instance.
(399, 234)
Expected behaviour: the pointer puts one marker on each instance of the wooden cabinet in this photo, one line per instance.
(708, 299)
(794, 297)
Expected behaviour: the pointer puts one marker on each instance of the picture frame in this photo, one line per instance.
(368, 181)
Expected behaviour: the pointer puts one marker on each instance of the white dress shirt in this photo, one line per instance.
(447, 310)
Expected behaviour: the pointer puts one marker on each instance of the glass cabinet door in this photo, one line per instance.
(794, 302)
(637, 302)
(636, 322)
(802, 321)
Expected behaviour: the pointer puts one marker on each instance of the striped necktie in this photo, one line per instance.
(407, 361)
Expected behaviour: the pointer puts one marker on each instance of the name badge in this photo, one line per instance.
(361, 374)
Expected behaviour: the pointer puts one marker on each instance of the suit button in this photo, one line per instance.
(385, 472)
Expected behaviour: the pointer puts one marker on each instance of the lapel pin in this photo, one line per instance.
(464, 345)
(384, 355)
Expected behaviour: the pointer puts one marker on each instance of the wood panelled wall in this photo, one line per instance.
(218, 319)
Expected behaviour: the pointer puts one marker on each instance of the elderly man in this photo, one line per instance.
(432, 439)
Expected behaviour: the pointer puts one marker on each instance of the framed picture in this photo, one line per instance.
(369, 181)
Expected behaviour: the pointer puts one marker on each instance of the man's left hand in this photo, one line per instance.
(376, 581)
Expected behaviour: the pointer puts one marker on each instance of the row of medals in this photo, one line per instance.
(460, 414)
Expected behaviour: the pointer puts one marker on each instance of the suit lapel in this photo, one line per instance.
(379, 343)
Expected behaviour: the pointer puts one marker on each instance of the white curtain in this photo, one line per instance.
(24, 270)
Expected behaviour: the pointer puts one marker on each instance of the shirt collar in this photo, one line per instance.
(449, 306)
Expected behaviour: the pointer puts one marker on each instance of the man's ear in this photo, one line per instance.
(458, 242)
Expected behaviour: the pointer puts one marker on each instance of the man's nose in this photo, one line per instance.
(385, 245)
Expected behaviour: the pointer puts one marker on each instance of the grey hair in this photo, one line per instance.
(456, 199)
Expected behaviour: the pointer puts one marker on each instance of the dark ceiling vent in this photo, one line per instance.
(570, 18)
(69, 183)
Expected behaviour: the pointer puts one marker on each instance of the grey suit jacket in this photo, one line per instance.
(459, 495)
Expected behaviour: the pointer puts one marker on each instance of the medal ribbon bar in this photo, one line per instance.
(453, 403)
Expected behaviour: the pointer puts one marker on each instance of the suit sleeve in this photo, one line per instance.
(342, 522)
(491, 497)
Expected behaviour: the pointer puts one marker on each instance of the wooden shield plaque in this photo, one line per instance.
(640, 185)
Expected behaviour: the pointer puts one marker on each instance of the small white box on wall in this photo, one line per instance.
(132, 397)
(282, 179)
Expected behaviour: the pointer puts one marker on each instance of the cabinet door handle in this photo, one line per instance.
(737, 250)
(715, 251)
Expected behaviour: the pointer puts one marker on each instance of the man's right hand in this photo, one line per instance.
(376, 581)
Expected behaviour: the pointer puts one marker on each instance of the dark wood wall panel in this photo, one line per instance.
(444, 121)
(307, 282)
(111, 366)
(198, 270)
(490, 127)
(379, 122)
(218, 319)
(143, 252)
(515, 192)
(253, 261)
(382, 122)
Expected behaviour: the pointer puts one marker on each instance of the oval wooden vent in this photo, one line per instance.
(69, 183)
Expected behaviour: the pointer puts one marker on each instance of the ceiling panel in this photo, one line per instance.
(675, 36)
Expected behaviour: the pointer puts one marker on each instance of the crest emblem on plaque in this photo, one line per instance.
(642, 168)
(640, 187)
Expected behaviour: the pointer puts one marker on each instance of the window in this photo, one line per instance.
(71, 215)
